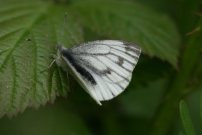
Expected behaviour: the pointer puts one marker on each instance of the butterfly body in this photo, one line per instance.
(103, 68)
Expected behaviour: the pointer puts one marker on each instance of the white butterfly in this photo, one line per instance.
(103, 68)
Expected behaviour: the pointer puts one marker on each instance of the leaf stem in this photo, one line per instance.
(168, 109)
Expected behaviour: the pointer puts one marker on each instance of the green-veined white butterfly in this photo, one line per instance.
(103, 68)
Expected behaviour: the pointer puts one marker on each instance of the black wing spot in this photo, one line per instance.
(106, 71)
(82, 71)
(120, 62)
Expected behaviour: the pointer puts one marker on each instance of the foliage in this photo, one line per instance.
(134, 21)
(29, 34)
(186, 120)
(169, 68)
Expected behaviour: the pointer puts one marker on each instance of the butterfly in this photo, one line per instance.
(103, 68)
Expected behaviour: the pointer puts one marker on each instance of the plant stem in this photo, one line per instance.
(167, 112)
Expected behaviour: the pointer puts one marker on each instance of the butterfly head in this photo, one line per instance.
(58, 58)
(60, 54)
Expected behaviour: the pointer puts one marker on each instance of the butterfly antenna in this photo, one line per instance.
(51, 64)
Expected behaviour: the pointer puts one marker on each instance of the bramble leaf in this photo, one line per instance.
(29, 33)
(154, 32)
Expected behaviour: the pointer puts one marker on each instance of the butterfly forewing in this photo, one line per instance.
(104, 68)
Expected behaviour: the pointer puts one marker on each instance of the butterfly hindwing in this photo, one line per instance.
(104, 68)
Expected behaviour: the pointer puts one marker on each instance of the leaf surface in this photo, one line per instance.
(154, 32)
(29, 33)
(186, 120)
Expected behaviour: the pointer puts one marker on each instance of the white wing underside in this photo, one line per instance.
(111, 64)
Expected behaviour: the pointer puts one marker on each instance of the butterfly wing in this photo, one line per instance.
(104, 68)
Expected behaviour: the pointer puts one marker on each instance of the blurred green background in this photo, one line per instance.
(163, 98)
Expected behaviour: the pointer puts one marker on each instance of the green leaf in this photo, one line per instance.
(29, 33)
(49, 120)
(186, 120)
(154, 32)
